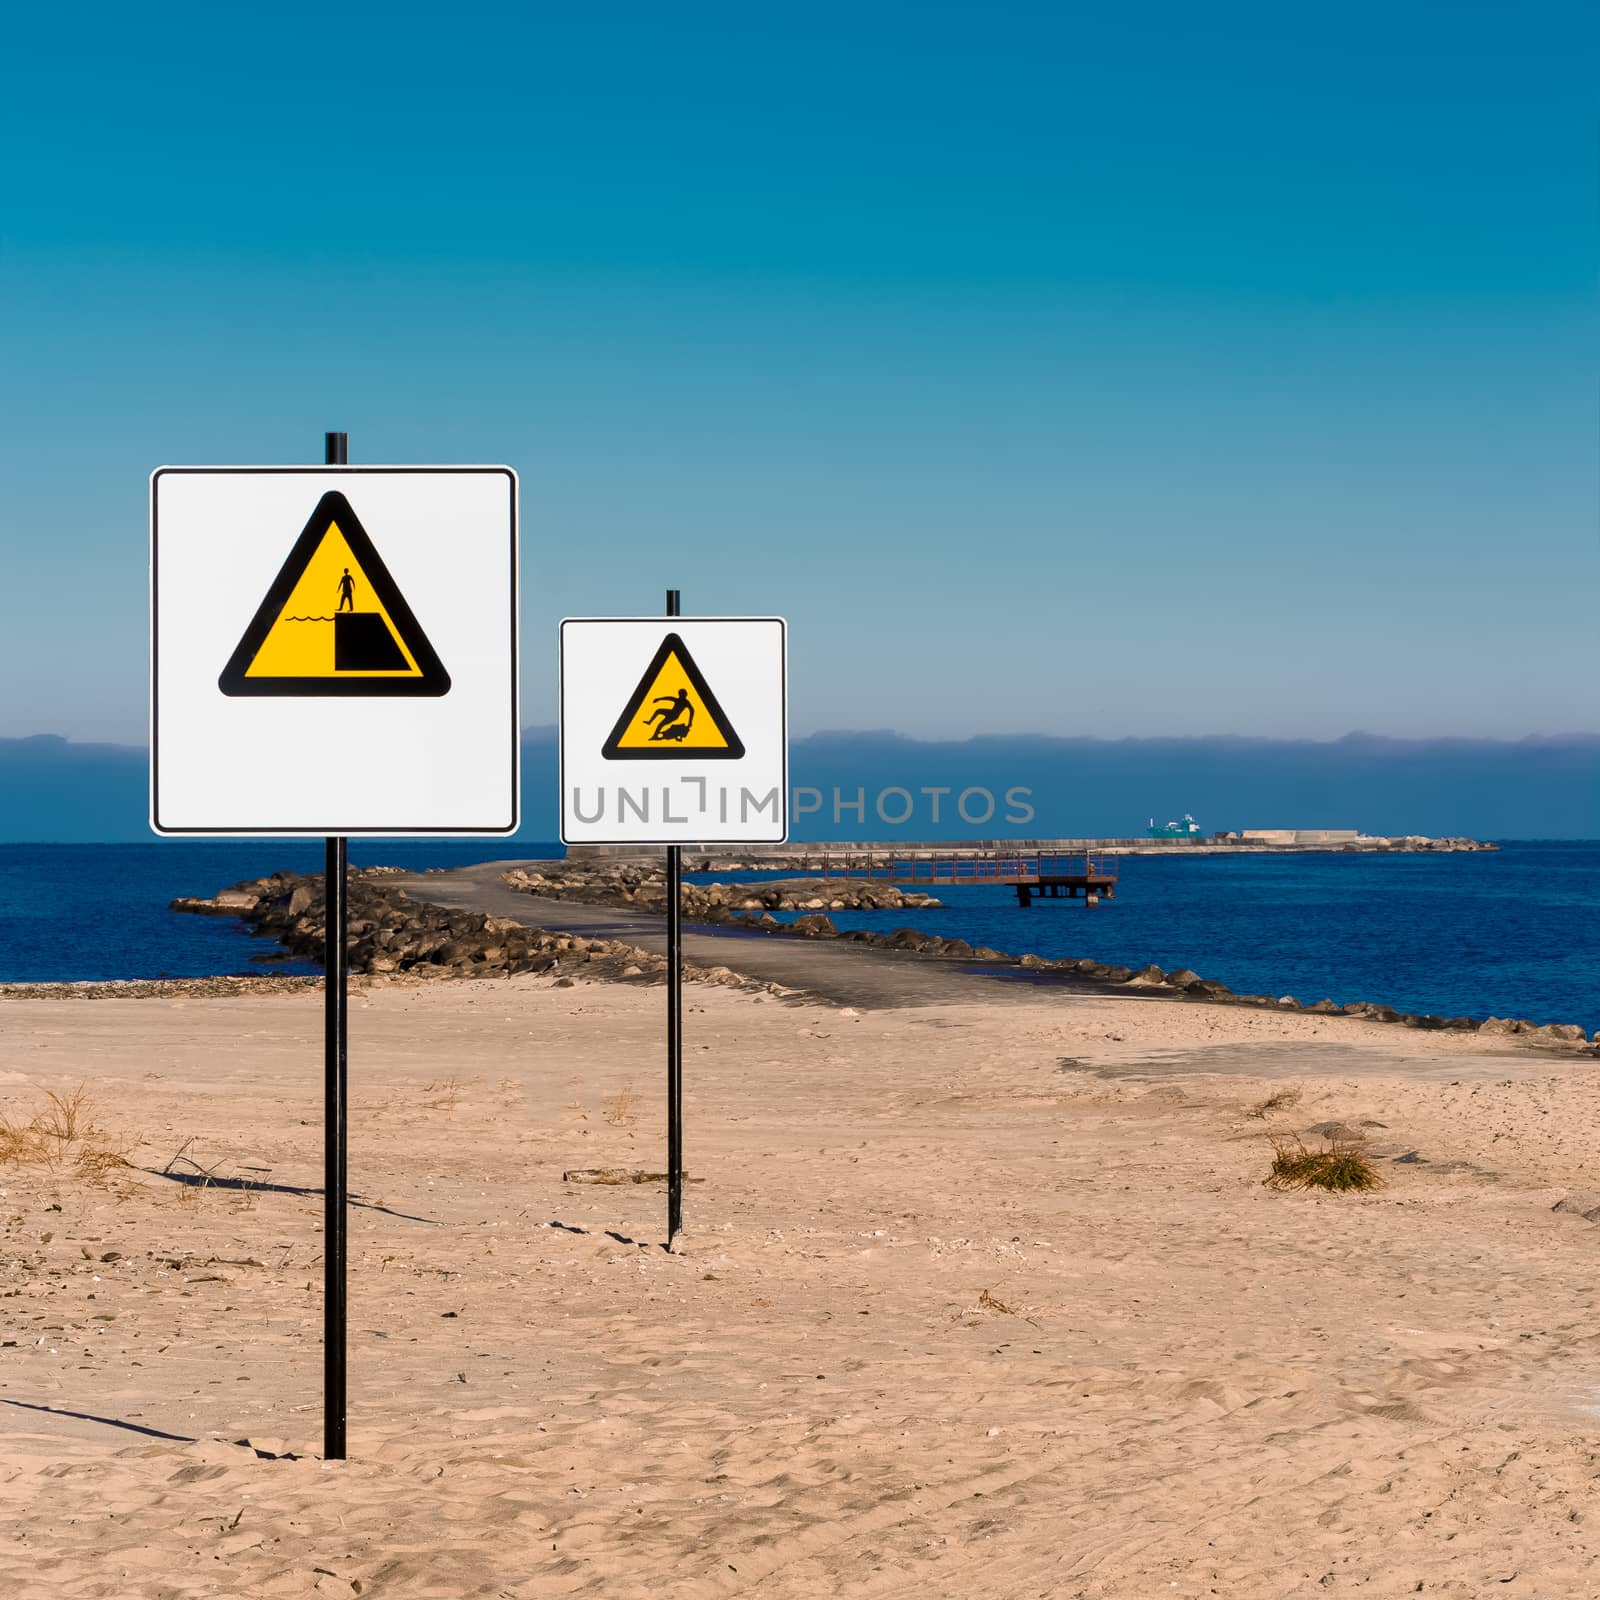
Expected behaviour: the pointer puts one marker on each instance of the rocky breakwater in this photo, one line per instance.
(395, 938)
(1411, 843)
(1179, 982)
(388, 932)
(644, 888)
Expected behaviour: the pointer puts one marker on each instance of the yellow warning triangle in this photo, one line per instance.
(334, 622)
(673, 714)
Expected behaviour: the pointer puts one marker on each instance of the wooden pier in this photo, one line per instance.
(1034, 874)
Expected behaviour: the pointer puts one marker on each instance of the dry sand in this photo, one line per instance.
(976, 1301)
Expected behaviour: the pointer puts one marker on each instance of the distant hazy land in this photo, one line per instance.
(55, 789)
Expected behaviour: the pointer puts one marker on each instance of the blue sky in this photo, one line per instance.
(1168, 369)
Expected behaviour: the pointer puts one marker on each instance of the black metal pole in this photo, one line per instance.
(335, 1108)
(674, 1023)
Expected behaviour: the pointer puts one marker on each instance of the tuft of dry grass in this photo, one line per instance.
(97, 1164)
(62, 1115)
(1341, 1166)
(620, 1109)
(21, 1144)
(446, 1094)
(61, 1135)
(1280, 1100)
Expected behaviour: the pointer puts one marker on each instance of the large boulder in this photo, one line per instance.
(1561, 1032)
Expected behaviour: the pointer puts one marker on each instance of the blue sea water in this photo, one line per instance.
(96, 911)
(1511, 932)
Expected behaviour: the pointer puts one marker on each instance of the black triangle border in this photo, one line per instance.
(333, 507)
(612, 750)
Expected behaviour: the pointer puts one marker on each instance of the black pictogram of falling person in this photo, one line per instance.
(674, 718)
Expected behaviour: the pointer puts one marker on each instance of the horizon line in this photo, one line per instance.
(549, 730)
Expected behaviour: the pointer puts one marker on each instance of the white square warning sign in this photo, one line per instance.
(674, 730)
(333, 650)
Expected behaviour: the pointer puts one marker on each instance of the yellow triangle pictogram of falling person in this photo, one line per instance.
(334, 622)
(673, 714)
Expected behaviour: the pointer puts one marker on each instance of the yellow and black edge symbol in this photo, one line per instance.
(673, 715)
(334, 622)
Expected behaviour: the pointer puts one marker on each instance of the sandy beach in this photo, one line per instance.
(977, 1298)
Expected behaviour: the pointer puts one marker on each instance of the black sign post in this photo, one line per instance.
(674, 1023)
(335, 1106)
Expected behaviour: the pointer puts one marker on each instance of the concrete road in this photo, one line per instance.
(844, 973)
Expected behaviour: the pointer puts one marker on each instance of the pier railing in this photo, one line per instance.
(1009, 867)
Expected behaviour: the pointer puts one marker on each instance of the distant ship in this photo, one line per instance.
(1187, 829)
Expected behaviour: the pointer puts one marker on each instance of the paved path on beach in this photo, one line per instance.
(843, 972)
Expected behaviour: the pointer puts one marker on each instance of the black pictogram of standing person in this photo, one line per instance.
(672, 707)
(347, 592)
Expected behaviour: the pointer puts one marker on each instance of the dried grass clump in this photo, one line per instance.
(21, 1144)
(1281, 1100)
(446, 1093)
(96, 1165)
(1341, 1166)
(621, 1108)
(66, 1117)
(61, 1135)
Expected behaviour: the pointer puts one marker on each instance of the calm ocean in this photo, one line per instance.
(1512, 932)
(1508, 932)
